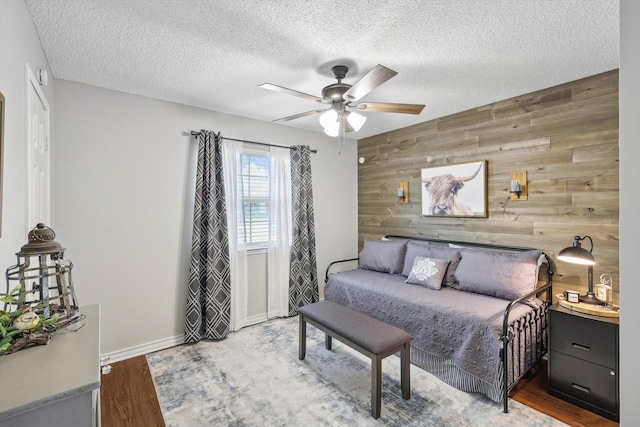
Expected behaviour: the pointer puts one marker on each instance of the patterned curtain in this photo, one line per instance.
(209, 298)
(303, 274)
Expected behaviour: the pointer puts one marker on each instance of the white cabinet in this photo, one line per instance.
(56, 384)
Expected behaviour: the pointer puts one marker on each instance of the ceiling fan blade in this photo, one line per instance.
(287, 91)
(297, 116)
(370, 81)
(386, 107)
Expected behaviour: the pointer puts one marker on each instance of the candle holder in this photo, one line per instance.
(41, 280)
(40, 297)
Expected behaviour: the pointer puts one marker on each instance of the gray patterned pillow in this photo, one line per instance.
(386, 256)
(506, 275)
(428, 272)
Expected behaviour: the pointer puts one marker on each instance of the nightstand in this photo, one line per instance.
(583, 360)
(56, 384)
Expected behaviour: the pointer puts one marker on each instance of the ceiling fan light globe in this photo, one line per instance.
(329, 118)
(332, 131)
(356, 120)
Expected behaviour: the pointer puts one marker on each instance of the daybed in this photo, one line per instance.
(477, 312)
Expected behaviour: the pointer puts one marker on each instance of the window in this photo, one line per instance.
(253, 189)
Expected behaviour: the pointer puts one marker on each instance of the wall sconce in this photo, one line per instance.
(403, 192)
(518, 187)
(576, 254)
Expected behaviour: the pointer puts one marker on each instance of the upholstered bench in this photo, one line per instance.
(365, 334)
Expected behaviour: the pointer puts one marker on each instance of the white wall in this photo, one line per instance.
(124, 200)
(122, 204)
(19, 44)
(629, 212)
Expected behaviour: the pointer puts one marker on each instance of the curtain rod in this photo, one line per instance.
(196, 134)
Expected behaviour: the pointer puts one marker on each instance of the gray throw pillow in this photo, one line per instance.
(413, 250)
(428, 272)
(506, 275)
(436, 252)
(386, 256)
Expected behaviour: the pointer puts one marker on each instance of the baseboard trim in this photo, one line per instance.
(151, 347)
(140, 350)
(254, 320)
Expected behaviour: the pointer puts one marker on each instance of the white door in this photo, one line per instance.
(38, 153)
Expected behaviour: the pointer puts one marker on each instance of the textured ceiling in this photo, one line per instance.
(450, 55)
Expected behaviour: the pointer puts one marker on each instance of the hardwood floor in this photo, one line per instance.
(128, 398)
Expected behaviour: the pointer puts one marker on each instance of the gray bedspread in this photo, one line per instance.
(461, 326)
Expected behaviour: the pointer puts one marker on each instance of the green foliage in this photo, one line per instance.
(50, 321)
(10, 298)
(5, 343)
(8, 332)
(13, 331)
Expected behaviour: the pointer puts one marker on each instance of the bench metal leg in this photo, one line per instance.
(376, 385)
(327, 341)
(405, 373)
(302, 342)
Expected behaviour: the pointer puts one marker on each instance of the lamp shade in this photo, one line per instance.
(356, 120)
(576, 254)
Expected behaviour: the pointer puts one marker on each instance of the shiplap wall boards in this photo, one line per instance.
(564, 137)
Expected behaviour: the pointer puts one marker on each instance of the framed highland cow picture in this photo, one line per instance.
(458, 191)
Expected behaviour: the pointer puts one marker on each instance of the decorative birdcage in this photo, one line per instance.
(41, 280)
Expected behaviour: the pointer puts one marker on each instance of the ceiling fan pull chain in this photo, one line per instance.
(342, 134)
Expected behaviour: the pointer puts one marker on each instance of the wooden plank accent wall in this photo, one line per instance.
(564, 137)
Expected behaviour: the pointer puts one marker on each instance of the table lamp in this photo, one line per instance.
(576, 254)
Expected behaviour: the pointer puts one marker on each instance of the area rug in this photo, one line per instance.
(254, 378)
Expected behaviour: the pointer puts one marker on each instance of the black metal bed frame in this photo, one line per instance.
(529, 351)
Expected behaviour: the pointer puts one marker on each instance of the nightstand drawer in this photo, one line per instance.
(585, 339)
(584, 381)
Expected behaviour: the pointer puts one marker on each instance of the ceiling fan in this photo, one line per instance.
(342, 116)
